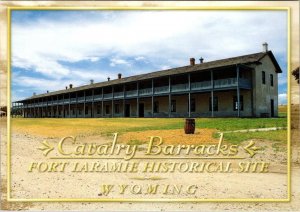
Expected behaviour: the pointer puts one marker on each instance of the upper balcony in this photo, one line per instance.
(220, 84)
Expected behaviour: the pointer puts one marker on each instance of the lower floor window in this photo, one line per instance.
(156, 107)
(86, 110)
(215, 103)
(117, 108)
(235, 103)
(173, 106)
(98, 109)
(192, 105)
(107, 110)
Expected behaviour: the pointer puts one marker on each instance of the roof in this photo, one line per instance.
(245, 59)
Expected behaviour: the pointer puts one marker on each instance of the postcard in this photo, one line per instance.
(150, 106)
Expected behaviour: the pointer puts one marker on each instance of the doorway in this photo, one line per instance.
(127, 110)
(272, 107)
(141, 110)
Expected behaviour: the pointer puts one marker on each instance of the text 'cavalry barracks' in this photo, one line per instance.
(244, 86)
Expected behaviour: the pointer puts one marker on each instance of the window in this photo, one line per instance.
(117, 108)
(263, 77)
(73, 111)
(86, 110)
(193, 105)
(156, 107)
(173, 106)
(98, 109)
(107, 110)
(215, 103)
(235, 103)
(79, 111)
(271, 80)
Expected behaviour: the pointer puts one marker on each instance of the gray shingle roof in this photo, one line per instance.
(245, 59)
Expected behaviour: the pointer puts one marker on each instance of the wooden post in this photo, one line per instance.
(84, 104)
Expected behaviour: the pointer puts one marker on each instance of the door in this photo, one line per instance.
(141, 110)
(127, 110)
(272, 107)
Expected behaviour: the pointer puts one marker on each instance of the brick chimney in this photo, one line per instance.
(71, 86)
(192, 61)
(66, 87)
(34, 93)
(201, 60)
(92, 81)
(108, 78)
(47, 91)
(265, 47)
(119, 75)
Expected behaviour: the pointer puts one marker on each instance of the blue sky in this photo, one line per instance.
(51, 49)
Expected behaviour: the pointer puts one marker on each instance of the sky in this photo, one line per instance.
(52, 49)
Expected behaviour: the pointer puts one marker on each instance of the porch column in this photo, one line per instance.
(92, 112)
(51, 106)
(57, 106)
(238, 89)
(189, 101)
(69, 105)
(84, 104)
(152, 99)
(42, 109)
(212, 92)
(169, 96)
(63, 106)
(112, 102)
(102, 105)
(76, 106)
(124, 100)
(137, 101)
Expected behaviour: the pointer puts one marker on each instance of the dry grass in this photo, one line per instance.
(170, 136)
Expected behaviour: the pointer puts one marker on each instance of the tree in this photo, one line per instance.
(295, 73)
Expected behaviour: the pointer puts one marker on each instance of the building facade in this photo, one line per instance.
(244, 86)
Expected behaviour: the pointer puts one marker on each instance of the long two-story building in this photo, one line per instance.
(243, 86)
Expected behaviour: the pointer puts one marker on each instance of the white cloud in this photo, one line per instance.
(282, 98)
(166, 38)
(138, 58)
(115, 61)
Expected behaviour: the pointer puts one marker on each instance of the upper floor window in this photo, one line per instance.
(271, 80)
(263, 77)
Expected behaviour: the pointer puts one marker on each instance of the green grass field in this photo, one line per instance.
(104, 126)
